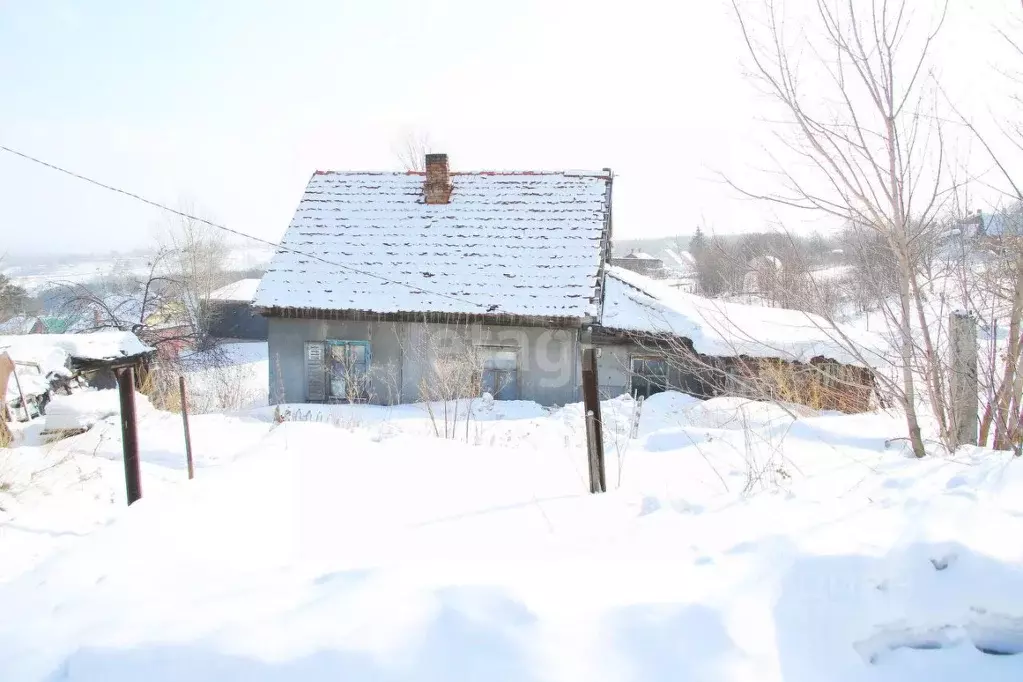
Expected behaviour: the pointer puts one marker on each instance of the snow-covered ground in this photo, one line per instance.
(737, 543)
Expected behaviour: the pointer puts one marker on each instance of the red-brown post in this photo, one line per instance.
(129, 432)
(594, 430)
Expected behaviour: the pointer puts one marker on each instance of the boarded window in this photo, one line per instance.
(315, 372)
(501, 372)
(649, 375)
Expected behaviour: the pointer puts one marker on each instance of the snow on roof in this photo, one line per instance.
(25, 350)
(636, 303)
(102, 345)
(681, 259)
(20, 324)
(242, 290)
(527, 243)
(640, 255)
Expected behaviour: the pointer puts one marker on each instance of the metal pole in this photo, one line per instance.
(591, 408)
(184, 421)
(17, 382)
(129, 432)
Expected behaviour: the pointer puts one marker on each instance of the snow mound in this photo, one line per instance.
(742, 413)
(84, 409)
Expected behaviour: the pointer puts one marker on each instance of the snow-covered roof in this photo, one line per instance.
(639, 255)
(636, 303)
(681, 259)
(107, 344)
(24, 350)
(20, 324)
(512, 243)
(242, 290)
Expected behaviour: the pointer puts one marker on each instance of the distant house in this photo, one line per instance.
(682, 273)
(233, 316)
(384, 282)
(641, 262)
(23, 324)
(67, 323)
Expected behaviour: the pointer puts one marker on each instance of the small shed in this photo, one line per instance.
(233, 316)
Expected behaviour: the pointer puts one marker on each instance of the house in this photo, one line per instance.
(233, 316)
(386, 284)
(682, 271)
(653, 337)
(641, 262)
(23, 324)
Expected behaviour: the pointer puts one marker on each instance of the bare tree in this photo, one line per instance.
(411, 151)
(134, 304)
(195, 260)
(867, 138)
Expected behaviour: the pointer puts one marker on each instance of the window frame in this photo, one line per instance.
(652, 383)
(328, 368)
(486, 349)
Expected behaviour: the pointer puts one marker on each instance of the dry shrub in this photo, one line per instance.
(161, 387)
(817, 385)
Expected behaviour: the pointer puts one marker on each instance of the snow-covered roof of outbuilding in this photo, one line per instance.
(635, 303)
(108, 344)
(514, 243)
(242, 290)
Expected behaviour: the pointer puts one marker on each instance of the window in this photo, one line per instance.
(337, 371)
(347, 369)
(649, 375)
(500, 372)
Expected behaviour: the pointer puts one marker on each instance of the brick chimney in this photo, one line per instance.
(437, 189)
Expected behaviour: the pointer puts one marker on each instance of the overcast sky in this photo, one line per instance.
(230, 106)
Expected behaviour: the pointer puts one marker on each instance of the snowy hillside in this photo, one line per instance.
(738, 543)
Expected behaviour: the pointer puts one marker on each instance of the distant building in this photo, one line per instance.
(682, 273)
(23, 324)
(233, 316)
(641, 262)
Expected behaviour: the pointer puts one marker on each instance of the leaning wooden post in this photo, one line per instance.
(594, 430)
(129, 432)
(963, 365)
(184, 421)
(21, 395)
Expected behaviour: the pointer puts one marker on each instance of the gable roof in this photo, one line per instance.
(241, 290)
(635, 303)
(21, 324)
(507, 243)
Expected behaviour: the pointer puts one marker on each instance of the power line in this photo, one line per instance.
(279, 247)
